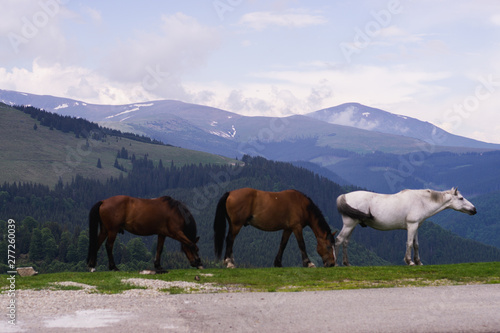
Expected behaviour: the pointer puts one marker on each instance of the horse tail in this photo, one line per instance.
(346, 210)
(94, 222)
(220, 225)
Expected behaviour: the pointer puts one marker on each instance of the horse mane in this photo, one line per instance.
(313, 209)
(189, 222)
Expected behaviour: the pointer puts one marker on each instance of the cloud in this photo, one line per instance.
(32, 29)
(74, 82)
(94, 14)
(289, 19)
(157, 60)
(179, 44)
(317, 85)
(495, 19)
(348, 118)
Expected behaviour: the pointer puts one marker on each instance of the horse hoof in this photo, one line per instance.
(92, 270)
(229, 263)
(200, 267)
(411, 263)
(311, 265)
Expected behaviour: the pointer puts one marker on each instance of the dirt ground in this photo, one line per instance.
(473, 308)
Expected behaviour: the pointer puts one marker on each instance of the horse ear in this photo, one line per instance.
(197, 239)
(455, 190)
(333, 233)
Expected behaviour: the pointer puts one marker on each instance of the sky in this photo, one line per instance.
(438, 61)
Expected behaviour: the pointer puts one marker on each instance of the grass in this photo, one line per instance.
(44, 155)
(280, 279)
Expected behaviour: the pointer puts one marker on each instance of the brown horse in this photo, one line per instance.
(290, 211)
(162, 216)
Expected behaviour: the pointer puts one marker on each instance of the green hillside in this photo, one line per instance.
(44, 155)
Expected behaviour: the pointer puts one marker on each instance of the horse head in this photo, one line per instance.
(459, 203)
(326, 249)
(191, 252)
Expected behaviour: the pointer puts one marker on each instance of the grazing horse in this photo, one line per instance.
(162, 216)
(404, 210)
(289, 211)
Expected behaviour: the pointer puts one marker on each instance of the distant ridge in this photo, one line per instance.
(161, 119)
(372, 119)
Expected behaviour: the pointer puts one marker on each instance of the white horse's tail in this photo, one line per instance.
(346, 210)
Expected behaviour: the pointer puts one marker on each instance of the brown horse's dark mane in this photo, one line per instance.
(190, 224)
(312, 208)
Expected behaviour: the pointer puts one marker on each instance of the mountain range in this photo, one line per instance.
(350, 143)
(164, 117)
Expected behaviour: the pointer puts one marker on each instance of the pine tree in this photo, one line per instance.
(72, 254)
(64, 246)
(82, 246)
(36, 245)
(138, 250)
(49, 245)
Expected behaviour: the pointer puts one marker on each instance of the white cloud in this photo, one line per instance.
(286, 92)
(94, 14)
(157, 60)
(32, 29)
(289, 19)
(72, 82)
(495, 19)
(347, 117)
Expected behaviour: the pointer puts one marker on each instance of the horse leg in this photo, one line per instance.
(159, 249)
(302, 246)
(284, 241)
(343, 239)
(416, 255)
(103, 233)
(231, 235)
(412, 230)
(109, 249)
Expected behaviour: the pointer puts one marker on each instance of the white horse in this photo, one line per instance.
(404, 210)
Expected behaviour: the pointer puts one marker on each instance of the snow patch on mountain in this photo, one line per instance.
(136, 107)
(122, 113)
(226, 135)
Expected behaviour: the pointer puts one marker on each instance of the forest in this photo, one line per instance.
(80, 127)
(51, 224)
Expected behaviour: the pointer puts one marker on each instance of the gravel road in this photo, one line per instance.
(473, 308)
